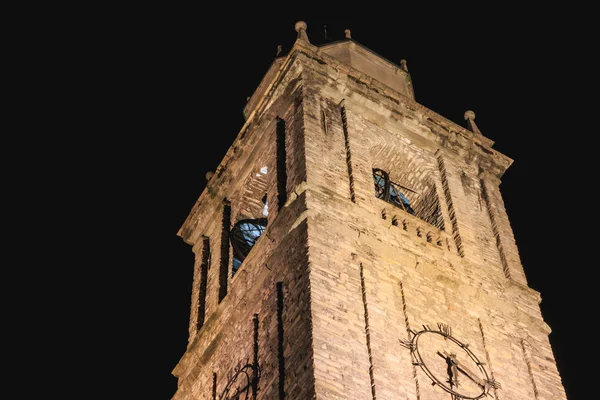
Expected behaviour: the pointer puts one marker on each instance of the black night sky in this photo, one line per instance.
(177, 82)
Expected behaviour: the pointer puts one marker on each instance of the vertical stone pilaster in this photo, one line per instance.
(348, 153)
(367, 333)
(224, 261)
(505, 241)
(195, 301)
(450, 206)
(199, 287)
(281, 157)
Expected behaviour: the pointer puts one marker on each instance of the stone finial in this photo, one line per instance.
(300, 27)
(209, 175)
(403, 65)
(470, 118)
(348, 34)
(278, 51)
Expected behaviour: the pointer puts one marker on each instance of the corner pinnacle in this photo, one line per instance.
(403, 65)
(470, 117)
(301, 29)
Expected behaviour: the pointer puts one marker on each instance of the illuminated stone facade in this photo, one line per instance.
(328, 301)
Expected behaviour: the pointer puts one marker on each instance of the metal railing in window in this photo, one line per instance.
(244, 235)
(389, 191)
(424, 206)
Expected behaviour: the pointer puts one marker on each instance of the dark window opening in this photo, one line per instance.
(265, 210)
(389, 191)
(244, 235)
(226, 223)
(281, 164)
(203, 282)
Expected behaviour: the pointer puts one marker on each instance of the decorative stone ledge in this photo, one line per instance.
(415, 226)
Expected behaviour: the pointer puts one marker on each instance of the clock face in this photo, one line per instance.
(240, 385)
(450, 364)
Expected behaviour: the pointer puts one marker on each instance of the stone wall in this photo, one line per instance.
(264, 319)
(341, 281)
(409, 279)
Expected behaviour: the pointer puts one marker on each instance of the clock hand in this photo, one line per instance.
(452, 372)
(465, 370)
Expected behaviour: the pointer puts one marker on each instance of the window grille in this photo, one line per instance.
(422, 205)
(244, 235)
(389, 191)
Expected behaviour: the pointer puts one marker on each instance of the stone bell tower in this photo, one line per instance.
(353, 244)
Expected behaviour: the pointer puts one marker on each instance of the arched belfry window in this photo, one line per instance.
(244, 235)
(389, 191)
